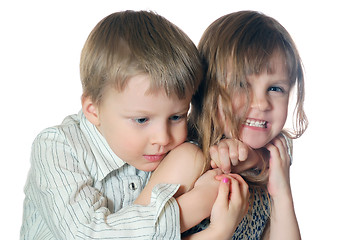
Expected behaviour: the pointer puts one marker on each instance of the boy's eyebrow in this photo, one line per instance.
(147, 112)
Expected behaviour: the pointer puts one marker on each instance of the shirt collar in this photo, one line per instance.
(107, 161)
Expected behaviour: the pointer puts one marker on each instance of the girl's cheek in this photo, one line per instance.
(238, 104)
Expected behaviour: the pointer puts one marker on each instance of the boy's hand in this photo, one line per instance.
(232, 155)
(279, 168)
(230, 206)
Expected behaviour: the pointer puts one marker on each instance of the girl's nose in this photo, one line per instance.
(260, 102)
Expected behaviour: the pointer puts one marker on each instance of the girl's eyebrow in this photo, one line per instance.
(285, 82)
(281, 81)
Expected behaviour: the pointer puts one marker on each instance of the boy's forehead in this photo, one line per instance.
(150, 87)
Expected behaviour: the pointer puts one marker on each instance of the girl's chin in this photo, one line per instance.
(254, 144)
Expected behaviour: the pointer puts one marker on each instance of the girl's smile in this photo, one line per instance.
(255, 124)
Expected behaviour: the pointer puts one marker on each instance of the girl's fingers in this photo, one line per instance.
(238, 186)
(220, 156)
(242, 188)
(233, 152)
(281, 145)
(223, 192)
(223, 156)
(242, 151)
(213, 164)
(228, 153)
(213, 152)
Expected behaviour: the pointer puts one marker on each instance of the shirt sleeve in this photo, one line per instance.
(61, 202)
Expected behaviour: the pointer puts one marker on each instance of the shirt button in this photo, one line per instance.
(133, 186)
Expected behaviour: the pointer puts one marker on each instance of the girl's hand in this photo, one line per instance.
(279, 167)
(232, 155)
(230, 206)
(283, 221)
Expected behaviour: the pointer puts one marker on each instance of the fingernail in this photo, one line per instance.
(225, 180)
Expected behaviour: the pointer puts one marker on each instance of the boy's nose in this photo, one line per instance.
(161, 136)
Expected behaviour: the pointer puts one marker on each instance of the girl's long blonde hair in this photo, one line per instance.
(242, 42)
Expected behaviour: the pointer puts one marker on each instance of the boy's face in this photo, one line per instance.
(268, 106)
(141, 127)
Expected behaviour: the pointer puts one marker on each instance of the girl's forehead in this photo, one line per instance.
(277, 62)
(238, 69)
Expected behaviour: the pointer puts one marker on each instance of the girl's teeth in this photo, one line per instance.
(256, 123)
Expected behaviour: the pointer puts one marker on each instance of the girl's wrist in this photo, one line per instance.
(283, 199)
(216, 233)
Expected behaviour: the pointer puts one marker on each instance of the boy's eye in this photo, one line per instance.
(141, 120)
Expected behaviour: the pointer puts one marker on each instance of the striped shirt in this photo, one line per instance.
(77, 188)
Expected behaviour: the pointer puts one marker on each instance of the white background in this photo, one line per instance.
(40, 44)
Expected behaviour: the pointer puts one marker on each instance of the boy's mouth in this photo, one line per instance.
(256, 123)
(154, 158)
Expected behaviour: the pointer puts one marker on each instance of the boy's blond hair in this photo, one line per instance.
(125, 44)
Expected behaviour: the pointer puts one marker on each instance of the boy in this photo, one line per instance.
(138, 73)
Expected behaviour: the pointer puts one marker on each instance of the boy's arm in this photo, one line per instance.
(184, 165)
(64, 200)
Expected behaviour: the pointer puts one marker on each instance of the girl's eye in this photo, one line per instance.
(275, 89)
(175, 118)
(243, 84)
(141, 120)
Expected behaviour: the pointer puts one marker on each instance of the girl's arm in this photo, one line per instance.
(184, 165)
(283, 221)
(228, 210)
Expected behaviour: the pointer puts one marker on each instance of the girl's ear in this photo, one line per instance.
(90, 110)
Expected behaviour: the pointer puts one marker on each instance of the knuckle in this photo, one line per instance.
(243, 152)
(222, 148)
(233, 155)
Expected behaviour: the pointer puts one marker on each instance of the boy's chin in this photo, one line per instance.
(148, 167)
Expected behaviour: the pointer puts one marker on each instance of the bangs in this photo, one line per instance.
(245, 43)
(254, 55)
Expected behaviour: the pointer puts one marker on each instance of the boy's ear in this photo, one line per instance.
(90, 110)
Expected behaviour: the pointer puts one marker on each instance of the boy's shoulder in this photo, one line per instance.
(69, 124)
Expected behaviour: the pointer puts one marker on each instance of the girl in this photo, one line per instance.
(252, 65)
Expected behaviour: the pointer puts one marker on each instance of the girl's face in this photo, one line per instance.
(267, 113)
